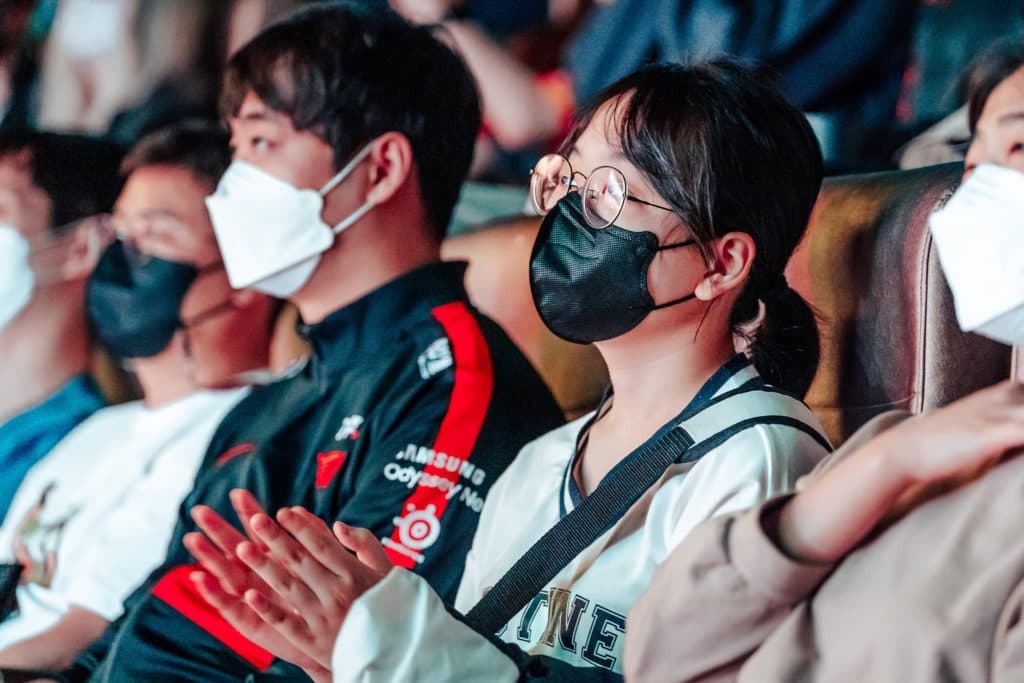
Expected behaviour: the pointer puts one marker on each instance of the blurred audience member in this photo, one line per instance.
(948, 140)
(249, 17)
(841, 61)
(50, 186)
(93, 517)
(122, 68)
(14, 17)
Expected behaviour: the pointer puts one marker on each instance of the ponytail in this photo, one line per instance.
(784, 346)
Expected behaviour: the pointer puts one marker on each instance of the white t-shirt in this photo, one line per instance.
(400, 630)
(93, 518)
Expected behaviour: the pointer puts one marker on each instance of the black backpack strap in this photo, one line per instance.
(691, 439)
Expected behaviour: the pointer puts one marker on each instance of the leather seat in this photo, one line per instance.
(889, 334)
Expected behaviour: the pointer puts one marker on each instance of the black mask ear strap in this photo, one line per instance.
(677, 245)
(675, 301)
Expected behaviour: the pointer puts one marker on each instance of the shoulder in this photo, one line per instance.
(103, 425)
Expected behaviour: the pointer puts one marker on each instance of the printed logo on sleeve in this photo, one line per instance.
(437, 358)
(417, 531)
(349, 428)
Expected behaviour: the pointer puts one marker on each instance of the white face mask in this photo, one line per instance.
(270, 233)
(979, 235)
(17, 281)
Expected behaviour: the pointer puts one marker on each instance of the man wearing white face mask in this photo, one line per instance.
(901, 557)
(49, 185)
(353, 132)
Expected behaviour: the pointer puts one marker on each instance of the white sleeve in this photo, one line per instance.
(400, 630)
(131, 537)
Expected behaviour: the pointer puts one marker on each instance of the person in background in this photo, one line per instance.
(51, 188)
(93, 516)
(649, 250)
(353, 132)
(790, 590)
(841, 62)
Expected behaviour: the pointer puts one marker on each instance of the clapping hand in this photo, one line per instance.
(289, 585)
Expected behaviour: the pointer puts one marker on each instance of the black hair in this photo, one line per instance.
(199, 146)
(728, 153)
(992, 66)
(349, 74)
(79, 174)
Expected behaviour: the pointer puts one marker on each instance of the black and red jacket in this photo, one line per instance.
(411, 405)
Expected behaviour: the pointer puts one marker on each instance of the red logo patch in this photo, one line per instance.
(327, 465)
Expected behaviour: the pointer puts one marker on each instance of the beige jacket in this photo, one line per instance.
(938, 596)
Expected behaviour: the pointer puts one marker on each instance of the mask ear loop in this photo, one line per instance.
(688, 297)
(338, 178)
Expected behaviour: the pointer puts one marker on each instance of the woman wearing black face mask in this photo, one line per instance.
(669, 219)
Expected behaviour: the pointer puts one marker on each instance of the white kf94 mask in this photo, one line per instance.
(17, 280)
(979, 235)
(270, 233)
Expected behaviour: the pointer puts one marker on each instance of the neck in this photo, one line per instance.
(164, 378)
(654, 378)
(363, 258)
(42, 349)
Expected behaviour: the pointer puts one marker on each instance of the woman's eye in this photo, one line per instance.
(260, 144)
(1017, 147)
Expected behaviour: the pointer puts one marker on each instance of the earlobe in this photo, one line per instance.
(734, 255)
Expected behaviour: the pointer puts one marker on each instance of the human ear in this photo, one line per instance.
(389, 165)
(84, 249)
(732, 257)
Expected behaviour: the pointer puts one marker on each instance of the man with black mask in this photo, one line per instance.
(93, 517)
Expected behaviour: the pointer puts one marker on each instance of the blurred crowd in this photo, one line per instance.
(871, 74)
(232, 312)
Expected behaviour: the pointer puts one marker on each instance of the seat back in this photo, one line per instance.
(889, 335)
(498, 282)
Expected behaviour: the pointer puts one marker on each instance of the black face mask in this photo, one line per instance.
(590, 285)
(135, 306)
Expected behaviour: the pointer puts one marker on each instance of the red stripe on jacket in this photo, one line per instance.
(178, 591)
(462, 423)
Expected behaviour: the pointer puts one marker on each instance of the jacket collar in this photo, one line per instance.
(366, 324)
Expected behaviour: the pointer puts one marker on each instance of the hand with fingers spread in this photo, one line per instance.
(289, 587)
(226, 579)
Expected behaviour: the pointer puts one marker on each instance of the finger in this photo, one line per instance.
(313, 534)
(223, 535)
(247, 507)
(365, 545)
(292, 591)
(297, 557)
(234, 610)
(288, 624)
(234, 576)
